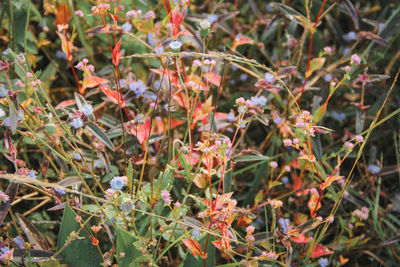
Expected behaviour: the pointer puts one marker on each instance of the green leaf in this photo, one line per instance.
(360, 119)
(96, 131)
(80, 252)
(13, 107)
(251, 158)
(228, 178)
(125, 245)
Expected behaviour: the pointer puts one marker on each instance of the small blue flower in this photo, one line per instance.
(20, 243)
(350, 36)
(258, 100)
(328, 78)
(269, 8)
(243, 125)
(195, 233)
(285, 180)
(339, 116)
(374, 169)
(284, 224)
(150, 95)
(243, 77)
(346, 50)
(231, 116)
(60, 191)
(277, 120)
(138, 88)
(150, 39)
(77, 123)
(323, 262)
(175, 45)
(3, 91)
(87, 109)
(127, 27)
(269, 77)
(32, 174)
(234, 67)
(2, 113)
(60, 54)
(77, 156)
(158, 50)
(117, 183)
(212, 18)
(7, 122)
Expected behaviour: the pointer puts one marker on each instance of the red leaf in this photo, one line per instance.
(63, 15)
(66, 103)
(195, 248)
(141, 131)
(113, 96)
(116, 53)
(300, 239)
(92, 81)
(320, 250)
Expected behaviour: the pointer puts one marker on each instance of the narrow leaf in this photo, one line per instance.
(96, 131)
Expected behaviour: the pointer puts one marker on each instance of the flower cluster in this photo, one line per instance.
(362, 214)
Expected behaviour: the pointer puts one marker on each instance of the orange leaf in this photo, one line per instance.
(92, 81)
(320, 250)
(329, 181)
(300, 239)
(195, 248)
(116, 53)
(113, 96)
(141, 131)
(64, 14)
(314, 204)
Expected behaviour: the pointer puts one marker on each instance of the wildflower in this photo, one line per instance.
(338, 116)
(277, 120)
(273, 164)
(284, 224)
(328, 78)
(330, 219)
(287, 142)
(275, 203)
(323, 262)
(347, 68)
(20, 242)
(359, 138)
(77, 123)
(195, 233)
(328, 50)
(243, 77)
(350, 36)
(133, 13)
(259, 100)
(269, 77)
(77, 156)
(374, 169)
(249, 236)
(4, 197)
(78, 218)
(117, 183)
(79, 13)
(285, 180)
(138, 87)
(205, 24)
(349, 145)
(295, 141)
(3, 91)
(287, 168)
(158, 50)
(2, 113)
(212, 18)
(150, 15)
(90, 67)
(122, 254)
(165, 195)
(150, 39)
(109, 193)
(177, 204)
(96, 228)
(87, 109)
(6, 254)
(59, 191)
(20, 84)
(126, 27)
(127, 206)
(32, 174)
(175, 46)
(231, 116)
(79, 66)
(355, 59)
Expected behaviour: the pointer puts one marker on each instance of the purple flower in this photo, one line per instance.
(60, 191)
(355, 59)
(138, 88)
(165, 195)
(231, 116)
(323, 262)
(19, 241)
(243, 77)
(350, 36)
(32, 174)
